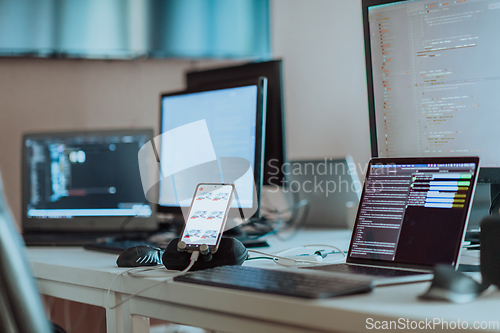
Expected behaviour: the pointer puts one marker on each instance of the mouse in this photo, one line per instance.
(141, 255)
(450, 285)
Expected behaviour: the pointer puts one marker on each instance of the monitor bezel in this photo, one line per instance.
(275, 145)
(261, 84)
(82, 223)
(486, 174)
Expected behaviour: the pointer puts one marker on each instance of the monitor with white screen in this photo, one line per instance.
(230, 123)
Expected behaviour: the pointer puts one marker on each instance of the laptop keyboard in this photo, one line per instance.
(364, 270)
(286, 283)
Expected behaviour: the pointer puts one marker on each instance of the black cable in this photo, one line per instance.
(57, 329)
(295, 201)
(301, 223)
(268, 227)
(494, 202)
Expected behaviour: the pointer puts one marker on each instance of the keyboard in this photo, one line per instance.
(285, 283)
(118, 246)
(62, 238)
(364, 270)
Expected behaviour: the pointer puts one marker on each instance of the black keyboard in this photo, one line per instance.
(286, 283)
(364, 270)
(62, 238)
(118, 246)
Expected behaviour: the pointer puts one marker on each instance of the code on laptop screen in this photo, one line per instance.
(413, 213)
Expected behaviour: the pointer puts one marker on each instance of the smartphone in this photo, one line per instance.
(207, 216)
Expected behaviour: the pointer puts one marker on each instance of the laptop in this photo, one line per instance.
(79, 186)
(412, 215)
(332, 188)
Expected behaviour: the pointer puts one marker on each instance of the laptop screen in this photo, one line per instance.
(413, 211)
(84, 180)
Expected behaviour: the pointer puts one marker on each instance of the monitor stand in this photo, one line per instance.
(483, 200)
(495, 196)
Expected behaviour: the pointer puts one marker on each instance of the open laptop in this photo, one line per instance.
(412, 215)
(78, 186)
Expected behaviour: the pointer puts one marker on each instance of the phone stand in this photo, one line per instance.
(231, 252)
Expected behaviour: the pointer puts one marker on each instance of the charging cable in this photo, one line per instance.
(303, 259)
(283, 261)
(135, 272)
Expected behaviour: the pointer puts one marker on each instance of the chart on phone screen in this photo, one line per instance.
(207, 214)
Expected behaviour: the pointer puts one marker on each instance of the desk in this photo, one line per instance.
(84, 276)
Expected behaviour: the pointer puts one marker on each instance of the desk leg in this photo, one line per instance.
(115, 317)
(140, 324)
(120, 320)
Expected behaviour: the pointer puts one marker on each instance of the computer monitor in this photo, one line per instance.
(275, 149)
(84, 181)
(222, 126)
(332, 188)
(433, 79)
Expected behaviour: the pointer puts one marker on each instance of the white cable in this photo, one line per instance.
(269, 255)
(279, 256)
(310, 245)
(194, 257)
(276, 259)
(139, 272)
(308, 262)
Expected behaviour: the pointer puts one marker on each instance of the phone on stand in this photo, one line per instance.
(207, 217)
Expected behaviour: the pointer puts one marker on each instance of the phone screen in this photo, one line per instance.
(207, 215)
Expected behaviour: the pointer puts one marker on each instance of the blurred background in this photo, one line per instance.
(102, 64)
(89, 64)
(85, 64)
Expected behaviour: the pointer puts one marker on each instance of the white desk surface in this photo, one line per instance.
(84, 276)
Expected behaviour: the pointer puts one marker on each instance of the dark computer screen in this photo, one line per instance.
(216, 125)
(275, 150)
(72, 176)
(433, 78)
(414, 203)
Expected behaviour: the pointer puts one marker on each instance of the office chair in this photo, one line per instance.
(21, 309)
